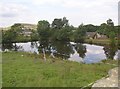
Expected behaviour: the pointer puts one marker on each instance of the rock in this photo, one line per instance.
(111, 81)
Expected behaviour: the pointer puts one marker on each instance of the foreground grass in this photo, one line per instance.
(22, 69)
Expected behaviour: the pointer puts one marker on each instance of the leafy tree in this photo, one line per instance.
(64, 34)
(103, 29)
(79, 34)
(59, 23)
(61, 30)
(111, 29)
(34, 36)
(108, 28)
(17, 28)
(43, 29)
(10, 35)
(110, 50)
(90, 28)
(118, 34)
(110, 22)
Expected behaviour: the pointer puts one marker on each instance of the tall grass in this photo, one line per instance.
(22, 69)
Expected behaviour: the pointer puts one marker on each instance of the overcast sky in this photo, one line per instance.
(77, 11)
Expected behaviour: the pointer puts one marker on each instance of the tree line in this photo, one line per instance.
(60, 30)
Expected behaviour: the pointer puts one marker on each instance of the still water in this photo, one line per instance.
(85, 53)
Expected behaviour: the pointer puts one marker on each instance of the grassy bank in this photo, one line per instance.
(101, 42)
(98, 41)
(29, 70)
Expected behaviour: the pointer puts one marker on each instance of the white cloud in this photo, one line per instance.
(77, 11)
(12, 8)
(11, 13)
(42, 2)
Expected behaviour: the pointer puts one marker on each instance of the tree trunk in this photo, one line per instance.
(44, 56)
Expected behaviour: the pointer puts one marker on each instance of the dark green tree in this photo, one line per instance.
(10, 35)
(79, 34)
(110, 50)
(43, 29)
(61, 29)
(64, 34)
(118, 36)
(103, 29)
(34, 35)
(59, 23)
(90, 28)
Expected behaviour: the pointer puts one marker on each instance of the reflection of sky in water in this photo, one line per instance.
(94, 54)
(75, 57)
(117, 56)
(27, 47)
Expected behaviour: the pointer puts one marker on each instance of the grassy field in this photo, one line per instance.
(22, 69)
(98, 41)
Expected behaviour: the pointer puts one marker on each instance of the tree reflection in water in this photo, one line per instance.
(10, 46)
(110, 50)
(81, 49)
(62, 49)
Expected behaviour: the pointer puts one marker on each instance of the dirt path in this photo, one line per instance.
(111, 81)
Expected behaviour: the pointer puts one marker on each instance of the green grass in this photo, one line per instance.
(30, 70)
(99, 41)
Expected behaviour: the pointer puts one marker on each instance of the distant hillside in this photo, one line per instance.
(5, 28)
(25, 25)
(28, 26)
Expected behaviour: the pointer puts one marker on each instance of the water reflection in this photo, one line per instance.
(110, 50)
(67, 50)
(44, 45)
(62, 49)
(6, 47)
(81, 49)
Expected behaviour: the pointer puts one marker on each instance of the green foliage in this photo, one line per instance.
(118, 34)
(90, 28)
(1, 36)
(64, 34)
(59, 23)
(59, 30)
(34, 36)
(43, 29)
(103, 29)
(110, 22)
(22, 69)
(16, 34)
(9, 36)
(79, 34)
(108, 28)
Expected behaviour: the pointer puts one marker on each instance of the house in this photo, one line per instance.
(91, 35)
(26, 32)
(27, 28)
(102, 36)
(95, 35)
